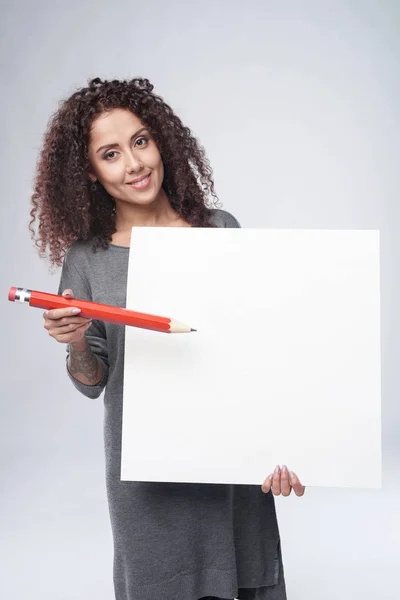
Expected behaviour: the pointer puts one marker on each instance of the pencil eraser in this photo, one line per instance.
(12, 293)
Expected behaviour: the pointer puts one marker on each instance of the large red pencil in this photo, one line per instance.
(95, 310)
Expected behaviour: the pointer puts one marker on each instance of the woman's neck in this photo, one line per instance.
(157, 214)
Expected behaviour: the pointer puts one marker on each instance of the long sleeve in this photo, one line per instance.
(232, 222)
(224, 219)
(71, 278)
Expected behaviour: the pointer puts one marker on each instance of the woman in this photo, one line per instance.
(116, 156)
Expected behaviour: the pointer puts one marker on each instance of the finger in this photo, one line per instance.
(276, 481)
(59, 313)
(65, 322)
(285, 483)
(298, 488)
(78, 320)
(68, 292)
(68, 328)
(68, 338)
(266, 486)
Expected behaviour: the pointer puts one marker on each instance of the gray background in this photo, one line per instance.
(297, 106)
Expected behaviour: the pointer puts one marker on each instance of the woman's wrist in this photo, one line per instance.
(79, 346)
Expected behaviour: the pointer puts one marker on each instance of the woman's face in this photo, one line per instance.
(124, 158)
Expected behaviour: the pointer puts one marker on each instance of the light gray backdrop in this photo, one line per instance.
(297, 104)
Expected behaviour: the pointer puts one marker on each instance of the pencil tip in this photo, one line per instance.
(193, 329)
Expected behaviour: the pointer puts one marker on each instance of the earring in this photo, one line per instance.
(94, 186)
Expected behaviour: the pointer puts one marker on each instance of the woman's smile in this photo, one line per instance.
(141, 183)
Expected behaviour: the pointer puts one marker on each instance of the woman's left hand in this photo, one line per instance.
(282, 481)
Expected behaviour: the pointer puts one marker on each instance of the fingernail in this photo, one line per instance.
(277, 468)
(292, 475)
(284, 468)
(75, 311)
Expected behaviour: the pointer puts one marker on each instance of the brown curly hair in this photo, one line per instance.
(69, 209)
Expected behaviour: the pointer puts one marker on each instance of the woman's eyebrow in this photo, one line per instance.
(116, 145)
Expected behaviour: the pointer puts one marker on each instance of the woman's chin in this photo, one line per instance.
(141, 201)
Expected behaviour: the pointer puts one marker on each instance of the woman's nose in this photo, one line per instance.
(133, 163)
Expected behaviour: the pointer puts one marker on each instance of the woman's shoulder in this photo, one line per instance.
(79, 251)
(222, 218)
(82, 255)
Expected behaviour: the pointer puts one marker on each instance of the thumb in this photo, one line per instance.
(68, 293)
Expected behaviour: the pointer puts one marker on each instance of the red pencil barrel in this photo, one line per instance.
(102, 312)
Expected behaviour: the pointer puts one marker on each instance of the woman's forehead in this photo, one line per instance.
(115, 121)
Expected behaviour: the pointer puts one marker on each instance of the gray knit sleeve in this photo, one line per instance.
(72, 278)
(222, 218)
(232, 221)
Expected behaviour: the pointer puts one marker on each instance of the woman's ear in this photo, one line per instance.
(92, 177)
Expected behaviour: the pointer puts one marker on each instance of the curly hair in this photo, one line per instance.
(66, 206)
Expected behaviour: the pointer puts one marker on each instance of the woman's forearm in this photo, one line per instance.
(83, 364)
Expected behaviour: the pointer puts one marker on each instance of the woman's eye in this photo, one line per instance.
(142, 141)
(110, 154)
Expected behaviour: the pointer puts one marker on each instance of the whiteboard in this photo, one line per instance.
(284, 367)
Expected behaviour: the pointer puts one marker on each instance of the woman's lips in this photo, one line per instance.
(142, 183)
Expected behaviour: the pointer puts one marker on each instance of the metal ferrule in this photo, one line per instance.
(22, 295)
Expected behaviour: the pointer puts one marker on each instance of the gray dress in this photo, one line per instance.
(171, 541)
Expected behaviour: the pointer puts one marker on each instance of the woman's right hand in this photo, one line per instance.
(64, 324)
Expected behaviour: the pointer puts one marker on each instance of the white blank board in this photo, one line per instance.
(284, 367)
